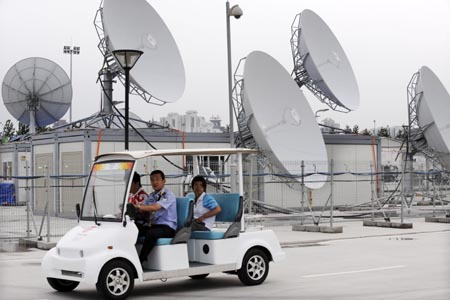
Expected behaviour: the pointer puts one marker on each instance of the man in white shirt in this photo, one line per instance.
(205, 206)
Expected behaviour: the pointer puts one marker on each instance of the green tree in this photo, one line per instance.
(355, 129)
(8, 129)
(384, 131)
(23, 129)
(347, 129)
(366, 132)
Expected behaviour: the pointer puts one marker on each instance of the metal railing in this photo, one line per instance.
(43, 207)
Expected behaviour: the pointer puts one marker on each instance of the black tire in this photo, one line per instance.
(200, 276)
(62, 285)
(116, 280)
(255, 267)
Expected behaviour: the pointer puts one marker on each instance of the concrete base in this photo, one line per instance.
(402, 225)
(369, 223)
(45, 245)
(28, 242)
(35, 243)
(387, 224)
(437, 220)
(313, 228)
(336, 229)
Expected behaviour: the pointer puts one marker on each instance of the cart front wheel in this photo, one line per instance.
(116, 280)
(255, 267)
(62, 285)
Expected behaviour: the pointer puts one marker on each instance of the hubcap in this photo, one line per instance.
(256, 267)
(118, 281)
(64, 282)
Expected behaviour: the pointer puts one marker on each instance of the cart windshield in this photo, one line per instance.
(106, 191)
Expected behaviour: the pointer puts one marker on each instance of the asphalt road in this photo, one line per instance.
(405, 267)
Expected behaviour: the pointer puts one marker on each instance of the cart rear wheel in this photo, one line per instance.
(116, 280)
(62, 285)
(255, 267)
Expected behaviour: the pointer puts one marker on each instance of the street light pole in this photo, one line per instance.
(71, 50)
(127, 106)
(127, 59)
(236, 12)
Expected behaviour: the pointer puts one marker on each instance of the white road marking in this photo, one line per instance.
(354, 272)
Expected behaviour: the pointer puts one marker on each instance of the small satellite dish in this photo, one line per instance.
(136, 25)
(433, 114)
(320, 63)
(37, 91)
(281, 122)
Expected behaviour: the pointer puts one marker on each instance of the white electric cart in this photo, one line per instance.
(103, 248)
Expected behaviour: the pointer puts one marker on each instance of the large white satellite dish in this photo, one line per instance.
(320, 63)
(37, 92)
(134, 24)
(433, 114)
(281, 122)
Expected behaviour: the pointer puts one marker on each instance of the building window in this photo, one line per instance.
(7, 170)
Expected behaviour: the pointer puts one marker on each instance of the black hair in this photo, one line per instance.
(137, 178)
(199, 178)
(155, 172)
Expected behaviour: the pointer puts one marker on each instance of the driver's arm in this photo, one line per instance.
(149, 207)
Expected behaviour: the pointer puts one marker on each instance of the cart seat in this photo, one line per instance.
(185, 214)
(231, 205)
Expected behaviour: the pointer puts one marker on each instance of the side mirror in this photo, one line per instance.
(78, 209)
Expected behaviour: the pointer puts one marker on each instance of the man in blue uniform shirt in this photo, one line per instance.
(163, 208)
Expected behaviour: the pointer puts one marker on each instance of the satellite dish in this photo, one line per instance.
(136, 25)
(433, 114)
(37, 91)
(281, 122)
(320, 63)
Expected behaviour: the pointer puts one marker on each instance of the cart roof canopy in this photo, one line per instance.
(172, 152)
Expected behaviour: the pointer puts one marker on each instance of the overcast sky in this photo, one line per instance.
(386, 42)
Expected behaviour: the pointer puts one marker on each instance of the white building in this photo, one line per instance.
(67, 158)
(330, 123)
(191, 122)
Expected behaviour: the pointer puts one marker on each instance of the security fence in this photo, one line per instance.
(43, 206)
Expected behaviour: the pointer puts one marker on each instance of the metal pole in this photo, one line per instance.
(230, 84)
(27, 188)
(250, 193)
(241, 175)
(434, 198)
(427, 167)
(32, 121)
(127, 108)
(331, 191)
(241, 186)
(303, 191)
(372, 192)
(403, 188)
(70, 115)
(48, 201)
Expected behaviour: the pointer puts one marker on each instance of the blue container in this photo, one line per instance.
(7, 196)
